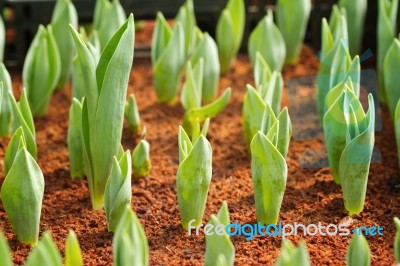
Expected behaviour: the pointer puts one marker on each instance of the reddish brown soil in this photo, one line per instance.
(311, 195)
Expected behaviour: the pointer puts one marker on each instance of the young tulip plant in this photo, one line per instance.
(107, 19)
(41, 70)
(358, 252)
(192, 95)
(229, 32)
(207, 50)
(187, 19)
(75, 140)
(267, 40)
(73, 253)
(6, 113)
(356, 11)
(103, 108)
(336, 64)
(292, 19)
(268, 165)
(141, 158)
(342, 69)
(386, 31)
(170, 49)
(22, 191)
(130, 246)
(118, 191)
(293, 256)
(268, 91)
(219, 248)
(46, 253)
(349, 138)
(78, 83)
(132, 114)
(194, 175)
(23, 118)
(391, 79)
(64, 13)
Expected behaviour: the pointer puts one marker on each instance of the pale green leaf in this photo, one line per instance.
(118, 191)
(269, 174)
(130, 245)
(193, 180)
(73, 253)
(22, 195)
(292, 19)
(358, 252)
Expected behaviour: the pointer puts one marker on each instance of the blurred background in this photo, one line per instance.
(22, 18)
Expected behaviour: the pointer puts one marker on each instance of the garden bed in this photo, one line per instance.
(311, 195)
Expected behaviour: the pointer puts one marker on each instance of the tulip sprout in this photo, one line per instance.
(46, 253)
(219, 246)
(132, 114)
(41, 70)
(356, 11)
(187, 19)
(108, 18)
(229, 32)
(93, 44)
(268, 166)
(118, 191)
(349, 137)
(292, 19)
(358, 252)
(391, 78)
(129, 237)
(64, 13)
(75, 140)
(103, 108)
(207, 50)
(73, 253)
(23, 118)
(194, 175)
(267, 40)
(6, 113)
(191, 98)
(293, 256)
(386, 31)
(22, 195)
(141, 158)
(268, 91)
(168, 58)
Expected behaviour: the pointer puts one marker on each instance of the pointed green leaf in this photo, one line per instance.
(219, 243)
(267, 39)
(141, 159)
(46, 253)
(75, 140)
(358, 252)
(269, 173)
(193, 180)
(118, 191)
(22, 195)
(130, 245)
(73, 253)
(292, 19)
